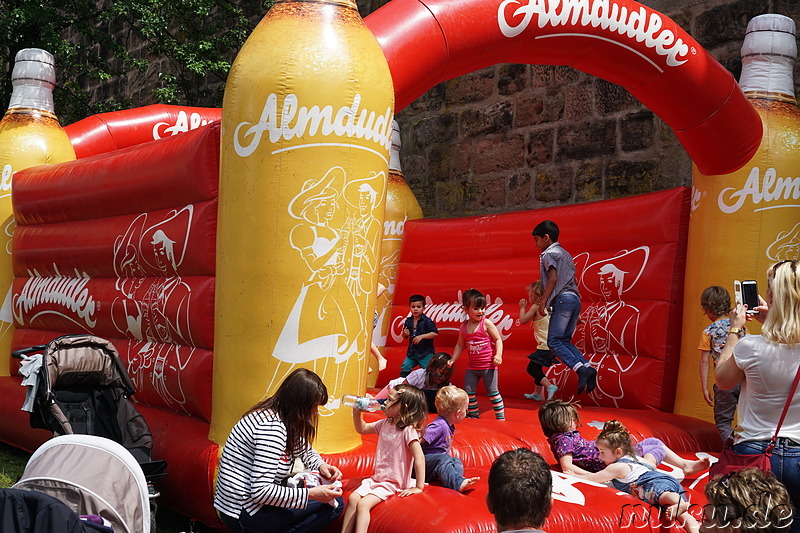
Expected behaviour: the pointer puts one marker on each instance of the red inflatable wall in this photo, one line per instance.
(122, 245)
(629, 255)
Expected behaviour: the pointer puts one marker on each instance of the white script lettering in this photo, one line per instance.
(605, 14)
(298, 121)
(183, 124)
(772, 189)
(70, 293)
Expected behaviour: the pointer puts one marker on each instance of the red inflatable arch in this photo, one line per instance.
(621, 41)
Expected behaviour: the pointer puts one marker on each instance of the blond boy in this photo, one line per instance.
(451, 404)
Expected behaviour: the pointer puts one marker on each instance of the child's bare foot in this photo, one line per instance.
(467, 483)
(693, 467)
(381, 363)
(675, 510)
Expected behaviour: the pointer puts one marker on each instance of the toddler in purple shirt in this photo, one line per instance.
(451, 404)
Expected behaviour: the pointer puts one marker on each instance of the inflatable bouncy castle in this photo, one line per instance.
(150, 240)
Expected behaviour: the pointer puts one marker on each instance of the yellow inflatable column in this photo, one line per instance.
(30, 135)
(744, 222)
(306, 132)
(401, 206)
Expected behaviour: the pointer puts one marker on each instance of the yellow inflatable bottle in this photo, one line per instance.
(742, 223)
(401, 206)
(30, 135)
(306, 132)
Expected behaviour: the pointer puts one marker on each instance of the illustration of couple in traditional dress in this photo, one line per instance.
(338, 239)
(146, 258)
(609, 329)
(153, 305)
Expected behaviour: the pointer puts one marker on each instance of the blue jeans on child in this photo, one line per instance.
(445, 467)
(785, 463)
(314, 519)
(564, 313)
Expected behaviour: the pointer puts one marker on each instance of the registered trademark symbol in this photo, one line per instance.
(694, 50)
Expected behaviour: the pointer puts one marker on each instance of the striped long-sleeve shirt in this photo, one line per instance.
(253, 465)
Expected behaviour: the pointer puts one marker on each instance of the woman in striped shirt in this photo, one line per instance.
(251, 493)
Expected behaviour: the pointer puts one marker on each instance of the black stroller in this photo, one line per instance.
(82, 387)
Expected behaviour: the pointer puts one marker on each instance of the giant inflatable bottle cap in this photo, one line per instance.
(33, 68)
(772, 36)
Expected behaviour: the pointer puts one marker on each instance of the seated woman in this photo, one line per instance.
(259, 455)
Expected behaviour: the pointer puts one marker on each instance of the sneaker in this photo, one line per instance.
(533, 396)
(551, 391)
(587, 379)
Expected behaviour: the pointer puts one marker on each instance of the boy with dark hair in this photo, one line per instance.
(520, 491)
(420, 332)
(562, 299)
(716, 304)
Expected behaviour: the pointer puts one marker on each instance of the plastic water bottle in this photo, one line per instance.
(362, 403)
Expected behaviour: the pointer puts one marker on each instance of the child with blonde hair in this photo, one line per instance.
(541, 357)
(560, 421)
(398, 452)
(451, 404)
(485, 353)
(637, 476)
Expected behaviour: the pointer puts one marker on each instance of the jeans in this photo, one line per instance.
(313, 519)
(566, 308)
(785, 463)
(443, 466)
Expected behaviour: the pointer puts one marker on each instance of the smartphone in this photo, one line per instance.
(750, 294)
(737, 291)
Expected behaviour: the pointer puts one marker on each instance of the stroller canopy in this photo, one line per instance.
(83, 387)
(92, 475)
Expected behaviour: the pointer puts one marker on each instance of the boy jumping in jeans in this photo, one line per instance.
(561, 297)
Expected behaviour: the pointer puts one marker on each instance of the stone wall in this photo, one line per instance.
(514, 137)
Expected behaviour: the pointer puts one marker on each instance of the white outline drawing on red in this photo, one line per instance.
(608, 332)
(142, 313)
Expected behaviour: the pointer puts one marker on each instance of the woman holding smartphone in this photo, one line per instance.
(766, 365)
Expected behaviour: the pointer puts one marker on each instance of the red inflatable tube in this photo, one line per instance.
(427, 42)
(100, 249)
(172, 377)
(130, 308)
(183, 170)
(107, 132)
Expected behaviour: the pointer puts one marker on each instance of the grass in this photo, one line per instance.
(12, 464)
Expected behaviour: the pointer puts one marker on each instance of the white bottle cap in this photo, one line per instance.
(394, 154)
(768, 55)
(33, 79)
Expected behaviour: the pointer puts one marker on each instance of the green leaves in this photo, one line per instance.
(128, 53)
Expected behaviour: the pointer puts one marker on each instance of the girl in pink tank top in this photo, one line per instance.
(484, 348)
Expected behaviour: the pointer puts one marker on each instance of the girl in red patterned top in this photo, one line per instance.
(485, 353)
